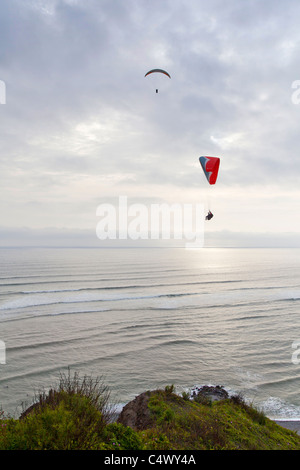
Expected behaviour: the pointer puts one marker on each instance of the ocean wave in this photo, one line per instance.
(115, 287)
(279, 409)
(33, 301)
(224, 299)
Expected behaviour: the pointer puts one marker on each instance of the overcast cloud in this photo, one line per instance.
(82, 125)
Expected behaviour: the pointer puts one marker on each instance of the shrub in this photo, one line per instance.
(185, 396)
(89, 387)
(203, 399)
(122, 437)
(169, 389)
(73, 415)
(72, 424)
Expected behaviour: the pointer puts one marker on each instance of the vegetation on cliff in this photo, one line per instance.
(77, 415)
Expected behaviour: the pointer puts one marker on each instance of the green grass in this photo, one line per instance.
(228, 424)
(77, 415)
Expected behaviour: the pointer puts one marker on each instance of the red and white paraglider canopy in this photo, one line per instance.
(210, 167)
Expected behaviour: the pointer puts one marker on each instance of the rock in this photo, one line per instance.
(29, 410)
(214, 393)
(136, 413)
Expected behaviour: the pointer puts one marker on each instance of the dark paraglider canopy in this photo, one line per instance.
(160, 71)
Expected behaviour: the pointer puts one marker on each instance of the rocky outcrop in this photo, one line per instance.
(136, 413)
(213, 393)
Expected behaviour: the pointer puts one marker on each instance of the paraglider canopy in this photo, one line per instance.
(210, 166)
(159, 71)
(157, 78)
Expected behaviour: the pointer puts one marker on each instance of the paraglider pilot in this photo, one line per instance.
(209, 216)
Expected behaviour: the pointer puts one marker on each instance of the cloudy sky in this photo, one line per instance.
(82, 126)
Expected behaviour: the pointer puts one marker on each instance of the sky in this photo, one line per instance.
(81, 126)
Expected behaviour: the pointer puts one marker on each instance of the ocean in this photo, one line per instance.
(143, 318)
